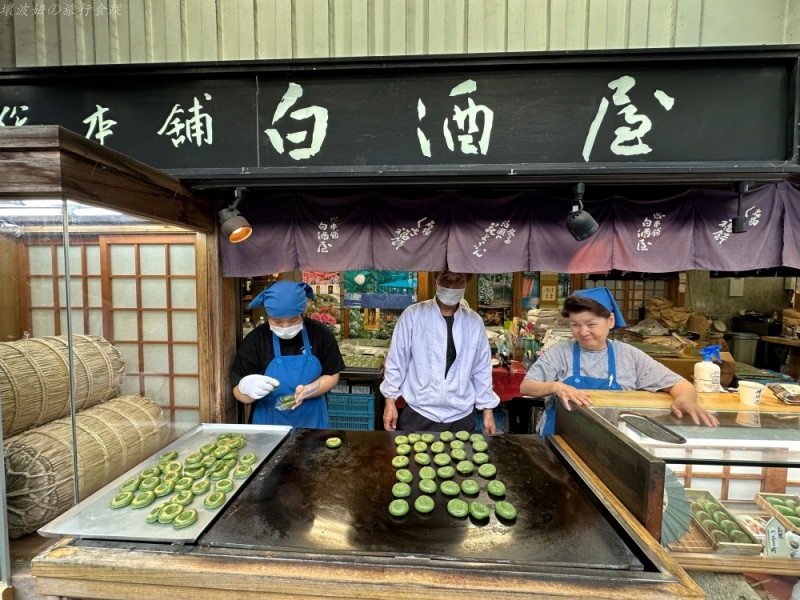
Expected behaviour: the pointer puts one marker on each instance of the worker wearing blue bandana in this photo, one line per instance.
(286, 356)
(593, 362)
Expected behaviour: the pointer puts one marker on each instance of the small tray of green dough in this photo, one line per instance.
(93, 518)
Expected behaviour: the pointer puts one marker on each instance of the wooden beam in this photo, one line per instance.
(46, 161)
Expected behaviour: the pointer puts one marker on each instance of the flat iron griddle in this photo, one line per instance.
(308, 498)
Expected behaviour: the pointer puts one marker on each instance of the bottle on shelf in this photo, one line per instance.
(248, 289)
(261, 321)
(247, 326)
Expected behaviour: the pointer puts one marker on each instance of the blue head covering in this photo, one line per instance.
(603, 296)
(284, 299)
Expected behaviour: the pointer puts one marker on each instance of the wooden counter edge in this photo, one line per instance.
(729, 563)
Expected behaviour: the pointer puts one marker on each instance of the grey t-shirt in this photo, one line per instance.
(635, 369)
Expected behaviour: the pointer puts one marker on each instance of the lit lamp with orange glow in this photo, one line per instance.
(234, 226)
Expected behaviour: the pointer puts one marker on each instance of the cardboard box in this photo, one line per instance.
(685, 367)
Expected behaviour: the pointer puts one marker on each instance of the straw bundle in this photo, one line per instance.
(112, 438)
(34, 378)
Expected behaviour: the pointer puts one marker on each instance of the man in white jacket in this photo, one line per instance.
(440, 363)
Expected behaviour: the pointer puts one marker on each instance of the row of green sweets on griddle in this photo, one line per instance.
(420, 444)
(211, 469)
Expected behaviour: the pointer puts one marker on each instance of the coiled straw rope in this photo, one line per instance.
(34, 378)
(112, 438)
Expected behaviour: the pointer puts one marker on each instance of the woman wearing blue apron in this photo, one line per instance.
(590, 361)
(289, 355)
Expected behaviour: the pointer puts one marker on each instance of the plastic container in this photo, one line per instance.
(360, 405)
(743, 347)
(706, 373)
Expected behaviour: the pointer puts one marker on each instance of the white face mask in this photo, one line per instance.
(449, 296)
(287, 333)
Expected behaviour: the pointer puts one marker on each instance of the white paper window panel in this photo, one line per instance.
(793, 489)
(793, 474)
(185, 419)
(154, 326)
(184, 293)
(96, 322)
(43, 322)
(130, 386)
(152, 259)
(123, 259)
(40, 261)
(78, 327)
(92, 260)
(125, 325)
(706, 469)
(156, 358)
(123, 292)
(184, 359)
(130, 354)
(659, 288)
(186, 392)
(749, 470)
(75, 265)
(743, 489)
(42, 292)
(181, 259)
(154, 293)
(95, 288)
(157, 388)
(75, 291)
(184, 326)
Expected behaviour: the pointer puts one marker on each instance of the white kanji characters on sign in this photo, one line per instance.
(97, 121)
(724, 232)
(754, 218)
(651, 228)
(498, 231)
(404, 234)
(466, 120)
(628, 140)
(320, 130)
(198, 128)
(15, 113)
(327, 232)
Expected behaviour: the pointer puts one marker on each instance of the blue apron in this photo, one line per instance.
(583, 383)
(292, 371)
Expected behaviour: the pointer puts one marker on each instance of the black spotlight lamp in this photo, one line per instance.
(579, 222)
(740, 222)
(234, 226)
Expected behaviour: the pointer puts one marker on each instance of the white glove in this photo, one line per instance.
(257, 386)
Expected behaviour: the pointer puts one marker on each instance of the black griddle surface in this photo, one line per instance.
(308, 498)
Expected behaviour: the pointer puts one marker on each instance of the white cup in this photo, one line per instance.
(750, 393)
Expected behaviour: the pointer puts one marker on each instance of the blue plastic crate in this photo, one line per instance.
(500, 420)
(357, 405)
(349, 422)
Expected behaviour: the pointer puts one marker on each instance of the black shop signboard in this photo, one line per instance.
(662, 112)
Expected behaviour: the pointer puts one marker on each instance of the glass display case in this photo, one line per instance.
(104, 355)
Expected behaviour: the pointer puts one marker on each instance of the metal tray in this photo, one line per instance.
(94, 517)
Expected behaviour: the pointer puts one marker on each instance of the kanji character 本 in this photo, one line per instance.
(628, 140)
(198, 128)
(13, 112)
(320, 130)
(103, 125)
(466, 121)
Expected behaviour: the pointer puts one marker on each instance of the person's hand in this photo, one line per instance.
(685, 406)
(257, 386)
(298, 396)
(390, 415)
(567, 394)
(488, 422)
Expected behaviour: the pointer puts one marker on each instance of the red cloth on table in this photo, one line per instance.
(506, 382)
